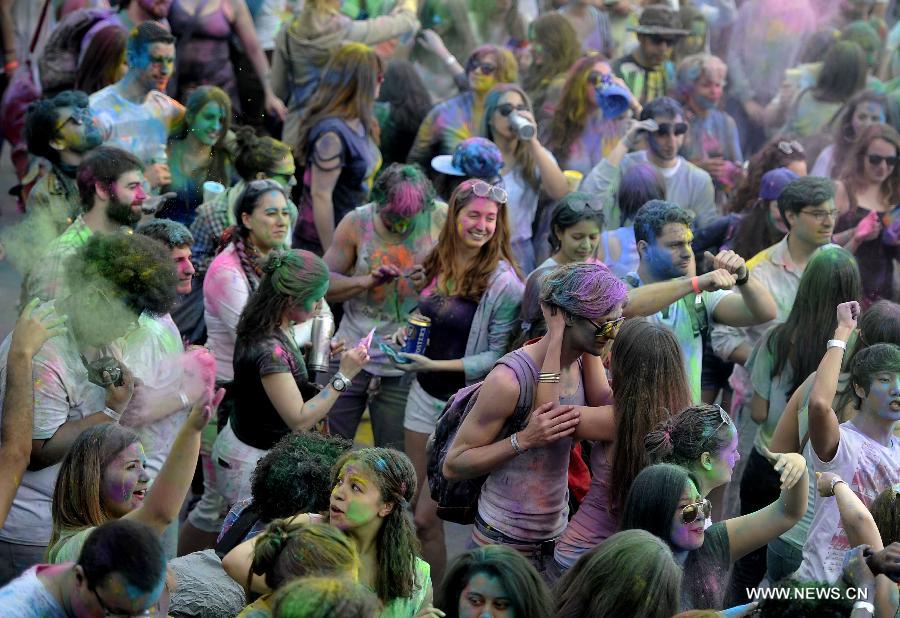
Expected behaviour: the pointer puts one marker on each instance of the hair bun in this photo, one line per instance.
(276, 260)
(245, 136)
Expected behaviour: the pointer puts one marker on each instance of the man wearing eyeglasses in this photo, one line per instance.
(662, 127)
(648, 71)
(61, 130)
(121, 572)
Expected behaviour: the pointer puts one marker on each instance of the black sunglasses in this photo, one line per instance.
(596, 78)
(506, 109)
(691, 512)
(658, 39)
(877, 159)
(486, 68)
(678, 128)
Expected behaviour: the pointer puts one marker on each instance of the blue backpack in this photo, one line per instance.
(458, 500)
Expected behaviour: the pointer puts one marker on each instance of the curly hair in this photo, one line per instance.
(285, 551)
(316, 597)
(396, 543)
(133, 269)
(766, 160)
(78, 494)
(294, 476)
(527, 593)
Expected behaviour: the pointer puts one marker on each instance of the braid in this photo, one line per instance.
(247, 254)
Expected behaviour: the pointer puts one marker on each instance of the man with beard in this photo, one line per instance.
(111, 189)
(663, 125)
(134, 110)
(690, 305)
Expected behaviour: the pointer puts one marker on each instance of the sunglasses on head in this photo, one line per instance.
(659, 39)
(608, 329)
(877, 159)
(692, 512)
(486, 68)
(723, 415)
(790, 147)
(484, 190)
(582, 206)
(506, 109)
(678, 128)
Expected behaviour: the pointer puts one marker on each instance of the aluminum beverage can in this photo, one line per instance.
(320, 355)
(419, 327)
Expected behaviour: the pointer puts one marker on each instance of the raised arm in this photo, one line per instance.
(824, 427)
(34, 327)
(786, 438)
(170, 487)
(750, 532)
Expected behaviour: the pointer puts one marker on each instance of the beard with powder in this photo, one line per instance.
(120, 212)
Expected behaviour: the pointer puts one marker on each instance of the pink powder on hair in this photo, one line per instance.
(406, 200)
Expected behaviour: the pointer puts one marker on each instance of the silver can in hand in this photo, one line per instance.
(320, 355)
(521, 126)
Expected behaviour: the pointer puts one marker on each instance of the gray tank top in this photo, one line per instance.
(527, 498)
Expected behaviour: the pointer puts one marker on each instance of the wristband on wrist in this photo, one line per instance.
(549, 378)
(835, 481)
(11, 66)
(695, 284)
(743, 280)
(185, 402)
(865, 605)
(514, 441)
(116, 416)
(836, 343)
(450, 60)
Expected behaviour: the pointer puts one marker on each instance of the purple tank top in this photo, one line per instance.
(527, 498)
(593, 523)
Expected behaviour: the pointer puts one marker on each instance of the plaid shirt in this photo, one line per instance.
(213, 218)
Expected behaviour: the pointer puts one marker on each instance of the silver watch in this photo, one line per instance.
(340, 382)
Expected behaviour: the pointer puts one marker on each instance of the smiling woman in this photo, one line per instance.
(197, 153)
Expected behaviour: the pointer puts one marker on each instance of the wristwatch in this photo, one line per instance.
(340, 382)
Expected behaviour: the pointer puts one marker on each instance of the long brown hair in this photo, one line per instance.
(220, 157)
(522, 150)
(767, 159)
(346, 90)
(78, 495)
(649, 385)
(854, 167)
(473, 281)
(574, 108)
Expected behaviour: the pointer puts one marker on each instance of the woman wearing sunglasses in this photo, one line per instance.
(868, 195)
(460, 117)
(528, 168)
(583, 128)
(665, 500)
(647, 372)
(472, 298)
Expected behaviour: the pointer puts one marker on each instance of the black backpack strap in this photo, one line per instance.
(238, 531)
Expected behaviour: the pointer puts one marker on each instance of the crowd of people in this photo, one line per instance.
(612, 283)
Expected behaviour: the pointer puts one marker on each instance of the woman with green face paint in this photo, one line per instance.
(197, 153)
(372, 490)
(271, 389)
